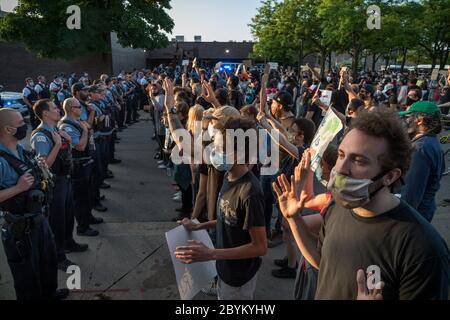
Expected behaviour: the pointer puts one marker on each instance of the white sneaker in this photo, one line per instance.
(177, 194)
(177, 198)
(160, 161)
(162, 166)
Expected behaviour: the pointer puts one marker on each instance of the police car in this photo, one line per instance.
(13, 100)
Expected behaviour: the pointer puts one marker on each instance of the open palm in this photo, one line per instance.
(290, 205)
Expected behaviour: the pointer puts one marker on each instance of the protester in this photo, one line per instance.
(422, 181)
(363, 209)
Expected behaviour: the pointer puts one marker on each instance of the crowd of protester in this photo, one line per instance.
(383, 170)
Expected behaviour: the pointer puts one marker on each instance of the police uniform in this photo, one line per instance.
(32, 96)
(82, 170)
(42, 90)
(62, 95)
(103, 130)
(26, 235)
(61, 217)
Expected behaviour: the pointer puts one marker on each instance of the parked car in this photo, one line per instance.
(13, 100)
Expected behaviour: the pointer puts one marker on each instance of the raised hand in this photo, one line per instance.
(208, 94)
(301, 173)
(290, 205)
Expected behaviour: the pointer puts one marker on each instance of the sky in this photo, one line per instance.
(214, 20)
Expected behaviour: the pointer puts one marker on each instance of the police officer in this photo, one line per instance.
(24, 195)
(62, 95)
(103, 130)
(82, 151)
(130, 99)
(55, 86)
(53, 146)
(42, 89)
(30, 96)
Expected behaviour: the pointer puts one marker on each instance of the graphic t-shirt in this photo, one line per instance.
(240, 207)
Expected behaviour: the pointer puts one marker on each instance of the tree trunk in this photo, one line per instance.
(404, 52)
(300, 58)
(323, 61)
(355, 61)
(374, 61)
(329, 61)
(433, 62)
(444, 59)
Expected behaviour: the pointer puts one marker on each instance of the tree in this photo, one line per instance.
(41, 26)
(434, 35)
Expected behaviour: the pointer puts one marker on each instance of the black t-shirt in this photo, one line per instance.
(412, 257)
(240, 207)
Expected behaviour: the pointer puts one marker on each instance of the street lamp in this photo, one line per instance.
(227, 51)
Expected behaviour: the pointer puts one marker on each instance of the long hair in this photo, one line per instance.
(195, 114)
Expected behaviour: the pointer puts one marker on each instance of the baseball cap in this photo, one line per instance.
(368, 88)
(223, 114)
(95, 89)
(388, 87)
(427, 107)
(79, 87)
(284, 98)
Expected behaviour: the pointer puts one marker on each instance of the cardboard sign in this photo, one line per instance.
(273, 65)
(327, 131)
(434, 74)
(185, 63)
(191, 278)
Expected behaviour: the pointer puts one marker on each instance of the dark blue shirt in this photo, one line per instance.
(423, 178)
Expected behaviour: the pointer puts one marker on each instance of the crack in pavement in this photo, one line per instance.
(133, 268)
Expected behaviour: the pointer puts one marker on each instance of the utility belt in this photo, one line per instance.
(21, 224)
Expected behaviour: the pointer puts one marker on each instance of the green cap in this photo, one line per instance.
(427, 107)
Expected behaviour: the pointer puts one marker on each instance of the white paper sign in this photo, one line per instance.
(325, 97)
(328, 129)
(185, 62)
(191, 278)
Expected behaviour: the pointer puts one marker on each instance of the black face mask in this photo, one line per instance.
(21, 132)
(410, 102)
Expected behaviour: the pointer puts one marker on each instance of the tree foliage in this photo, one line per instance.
(340, 26)
(41, 26)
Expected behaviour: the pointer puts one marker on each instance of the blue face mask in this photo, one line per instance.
(219, 161)
(319, 176)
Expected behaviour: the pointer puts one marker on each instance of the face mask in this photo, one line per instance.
(31, 84)
(219, 161)
(21, 132)
(410, 102)
(291, 137)
(319, 176)
(329, 79)
(349, 192)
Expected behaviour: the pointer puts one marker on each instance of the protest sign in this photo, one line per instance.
(325, 97)
(273, 65)
(434, 74)
(185, 62)
(327, 131)
(191, 278)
